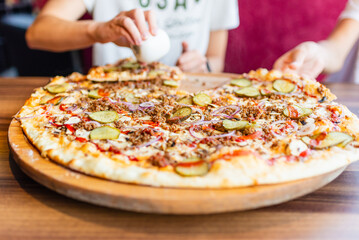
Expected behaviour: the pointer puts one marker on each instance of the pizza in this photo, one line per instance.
(262, 127)
(129, 69)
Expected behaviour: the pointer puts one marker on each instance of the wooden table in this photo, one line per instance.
(31, 211)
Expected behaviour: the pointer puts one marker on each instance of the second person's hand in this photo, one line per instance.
(307, 58)
(127, 28)
(191, 60)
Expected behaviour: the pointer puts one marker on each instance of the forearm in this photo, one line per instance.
(54, 34)
(216, 52)
(216, 63)
(339, 43)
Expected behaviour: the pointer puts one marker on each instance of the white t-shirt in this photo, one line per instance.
(350, 70)
(183, 20)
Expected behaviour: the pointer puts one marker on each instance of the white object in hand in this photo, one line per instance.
(154, 48)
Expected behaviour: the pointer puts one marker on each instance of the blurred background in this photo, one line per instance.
(267, 30)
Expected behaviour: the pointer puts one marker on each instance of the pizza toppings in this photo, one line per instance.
(234, 125)
(241, 82)
(180, 115)
(202, 99)
(283, 86)
(57, 88)
(295, 111)
(104, 116)
(325, 140)
(192, 167)
(105, 132)
(188, 100)
(248, 92)
(171, 83)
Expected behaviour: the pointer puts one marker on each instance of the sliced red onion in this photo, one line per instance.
(111, 100)
(72, 108)
(147, 105)
(149, 142)
(130, 106)
(219, 111)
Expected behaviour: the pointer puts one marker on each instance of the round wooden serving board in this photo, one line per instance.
(154, 199)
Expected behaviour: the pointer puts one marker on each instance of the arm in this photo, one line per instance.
(57, 29)
(194, 61)
(312, 58)
(216, 52)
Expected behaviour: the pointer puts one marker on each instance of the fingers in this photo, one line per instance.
(130, 27)
(192, 61)
(297, 58)
(139, 18)
(135, 26)
(152, 24)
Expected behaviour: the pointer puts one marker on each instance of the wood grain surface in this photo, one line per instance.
(31, 211)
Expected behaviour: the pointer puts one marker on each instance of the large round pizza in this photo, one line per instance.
(130, 122)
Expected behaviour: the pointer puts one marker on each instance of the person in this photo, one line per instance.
(328, 56)
(197, 29)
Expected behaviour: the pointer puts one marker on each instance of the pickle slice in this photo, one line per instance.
(131, 98)
(110, 69)
(105, 132)
(241, 82)
(283, 86)
(266, 91)
(180, 115)
(56, 100)
(202, 99)
(94, 94)
(186, 100)
(324, 140)
(234, 125)
(171, 83)
(57, 88)
(192, 169)
(247, 92)
(155, 73)
(104, 116)
(130, 65)
(295, 111)
(44, 99)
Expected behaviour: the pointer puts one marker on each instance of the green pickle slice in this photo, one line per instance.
(202, 99)
(192, 167)
(105, 132)
(94, 94)
(247, 92)
(241, 82)
(171, 83)
(283, 86)
(131, 98)
(330, 139)
(180, 115)
(104, 116)
(234, 125)
(186, 100)
(296, 112)
(57, 88)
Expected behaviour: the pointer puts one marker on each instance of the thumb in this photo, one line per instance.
(184, 46)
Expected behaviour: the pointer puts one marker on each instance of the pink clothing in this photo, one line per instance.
(268, 29)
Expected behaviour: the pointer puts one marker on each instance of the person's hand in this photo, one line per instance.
(307, 58)
(191, 60)
(127, 28)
